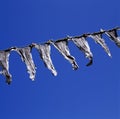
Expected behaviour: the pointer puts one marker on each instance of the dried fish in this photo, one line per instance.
(112, 34)
(45, 51)
(26, 57)
(83, 45)
(98, 39)
(4, 64)
(62, 47)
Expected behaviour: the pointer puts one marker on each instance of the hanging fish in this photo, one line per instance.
(45, 51)
(112, 34)
(98, 39)
(4, 64)
(62, 47)
(26, 57)
(83, 45)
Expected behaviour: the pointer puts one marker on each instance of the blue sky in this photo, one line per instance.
(88, 93)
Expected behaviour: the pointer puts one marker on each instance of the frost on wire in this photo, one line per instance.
(4, 64)
(26, 57)
(45, 51)
(98, 39)
(62, 46)
(83, 45)
(112, 34)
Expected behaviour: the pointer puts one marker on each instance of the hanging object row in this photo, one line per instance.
(61, 45)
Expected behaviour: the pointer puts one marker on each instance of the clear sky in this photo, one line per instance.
(88, 93)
